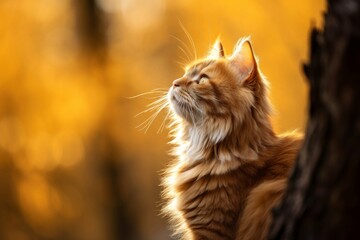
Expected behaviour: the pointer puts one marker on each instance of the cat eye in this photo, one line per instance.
(202, 78)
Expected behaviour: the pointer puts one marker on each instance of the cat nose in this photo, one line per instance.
(179, 82)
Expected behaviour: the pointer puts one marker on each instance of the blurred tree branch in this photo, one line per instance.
(104, 153)
(322, 201)
(90, 25)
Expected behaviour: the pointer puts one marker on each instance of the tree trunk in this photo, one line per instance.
(323, 197)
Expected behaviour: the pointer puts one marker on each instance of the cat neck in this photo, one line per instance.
(223, 140)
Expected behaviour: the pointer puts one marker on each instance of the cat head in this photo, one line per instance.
(220, 93)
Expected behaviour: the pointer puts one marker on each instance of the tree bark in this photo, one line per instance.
(323, 196)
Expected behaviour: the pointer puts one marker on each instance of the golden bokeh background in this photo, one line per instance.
(73, 165)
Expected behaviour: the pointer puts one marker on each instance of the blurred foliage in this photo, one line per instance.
(72, 163)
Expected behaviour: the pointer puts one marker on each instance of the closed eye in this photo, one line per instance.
(202, 78)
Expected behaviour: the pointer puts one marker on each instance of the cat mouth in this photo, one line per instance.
(183, 105)
(179, 101)
(179, 97)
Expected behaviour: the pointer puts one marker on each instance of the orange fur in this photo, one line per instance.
(230, 167)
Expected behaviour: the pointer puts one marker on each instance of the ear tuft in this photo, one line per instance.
(217, 51)
(243, 58)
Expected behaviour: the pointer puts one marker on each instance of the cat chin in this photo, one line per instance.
(191, 118)
(184, 110)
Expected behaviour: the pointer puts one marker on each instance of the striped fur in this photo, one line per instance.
(230, 167)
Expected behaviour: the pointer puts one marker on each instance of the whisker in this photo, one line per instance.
(148, 110)
(147, 123)
(182, 64)
(163, 122)
(148, 93)
(160, 100)
(185, 61)
(189, 38)
(155, 107)
(186, 55)
(188, 51)
(152, 107)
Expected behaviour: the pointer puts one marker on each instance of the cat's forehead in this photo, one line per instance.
(196, 68)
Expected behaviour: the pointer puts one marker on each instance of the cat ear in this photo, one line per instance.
(243, 59)
(217, 51)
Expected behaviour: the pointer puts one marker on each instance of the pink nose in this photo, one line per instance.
(180, 82)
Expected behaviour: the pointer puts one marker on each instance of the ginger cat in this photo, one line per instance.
(231, 168)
